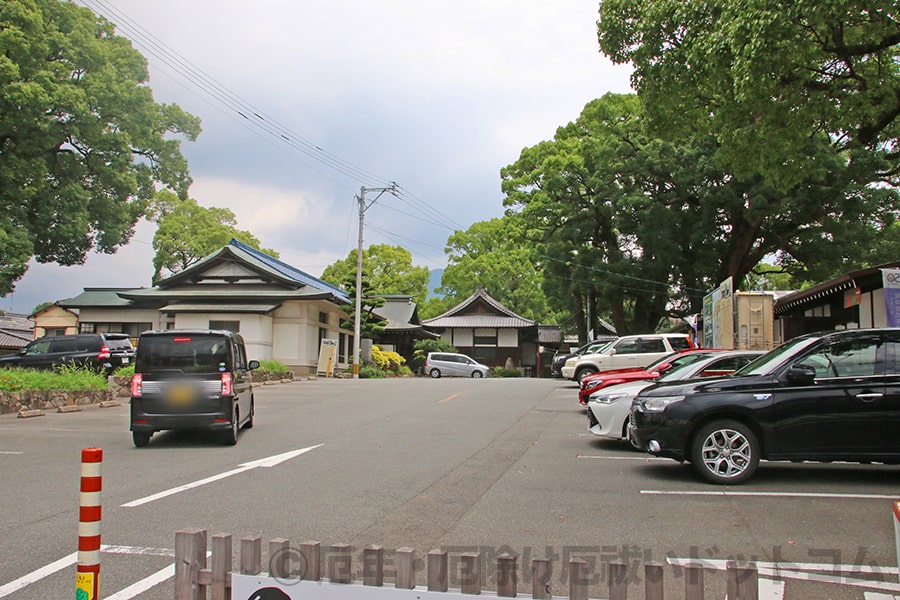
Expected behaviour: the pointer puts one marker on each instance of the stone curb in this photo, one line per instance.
(27, 414)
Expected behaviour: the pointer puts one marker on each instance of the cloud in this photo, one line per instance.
(436, 96)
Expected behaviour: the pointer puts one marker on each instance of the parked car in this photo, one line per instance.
(191, 379)
(626, 352)
(559, 359)
(449, 364)
(104, 352)
(819, 397)
(598, 381)
(609, 409)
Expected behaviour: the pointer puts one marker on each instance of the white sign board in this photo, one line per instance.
(256, 587)
(327, 357)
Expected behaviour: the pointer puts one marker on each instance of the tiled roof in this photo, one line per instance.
(500, 322)
(99, 298)
(458, 317)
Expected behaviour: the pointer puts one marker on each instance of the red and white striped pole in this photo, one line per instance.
(88, 576)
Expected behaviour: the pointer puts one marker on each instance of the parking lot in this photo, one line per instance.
(488, 465)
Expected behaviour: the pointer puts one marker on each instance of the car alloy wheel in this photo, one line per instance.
(725, 452)
(435, 373)
(581, 374)
(476, 375)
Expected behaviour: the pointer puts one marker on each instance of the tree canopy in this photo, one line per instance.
(786, 88)
(636, 228)
(83, 145)
(497, 256)
(388, 271)
(186, 232)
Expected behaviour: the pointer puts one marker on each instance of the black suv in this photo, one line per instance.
(191, 379)
(104, 352)
(820, 397)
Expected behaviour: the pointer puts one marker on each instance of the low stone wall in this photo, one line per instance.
(119, 389)
(13, 402)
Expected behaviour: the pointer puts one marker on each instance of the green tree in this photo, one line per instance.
(636, 228)
(496, 255)
(779, 84)
(82, 143)
(370, 324)
(389, 271)
(186, 232)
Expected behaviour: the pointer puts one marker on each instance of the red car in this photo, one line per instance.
(598, 381)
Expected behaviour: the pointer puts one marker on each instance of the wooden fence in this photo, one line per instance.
(197, 579)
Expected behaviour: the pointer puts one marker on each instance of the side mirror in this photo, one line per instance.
(800, 374)
(612, 351)
(254, 364)
(663, 368)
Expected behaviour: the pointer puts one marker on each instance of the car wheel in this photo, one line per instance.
(141, 438)
(230, 437)
(725, 452)
(584, 372)
(435, 373)
(626, 435)
(477, 375)
(249, 423)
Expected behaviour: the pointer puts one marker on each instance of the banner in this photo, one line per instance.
(891, 280)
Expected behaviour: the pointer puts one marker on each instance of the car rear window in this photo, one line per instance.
(680, 343)
(186, 353)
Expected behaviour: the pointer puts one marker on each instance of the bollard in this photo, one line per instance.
(87, 583)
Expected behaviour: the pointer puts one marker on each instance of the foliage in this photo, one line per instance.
(785, 87)
(41, 307)
(187, 232)
(504, 372)
(496, 255)
(272, 366)
(83, 146)
(636, 228)
(370, 324)
(422, 347)
(64, 378)
(371, 372)
(127, 371)
(388, 269)
(387, 361)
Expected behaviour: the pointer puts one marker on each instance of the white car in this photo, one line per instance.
(608, 409)
(630, 351)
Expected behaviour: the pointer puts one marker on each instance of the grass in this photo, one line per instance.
(63, 378)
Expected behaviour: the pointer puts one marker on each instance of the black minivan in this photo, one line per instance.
(191, 379)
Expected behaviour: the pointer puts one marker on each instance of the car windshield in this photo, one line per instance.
(189, 353)
(679, 361)
(770, 361)
(683, 370)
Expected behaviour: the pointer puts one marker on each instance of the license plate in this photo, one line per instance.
(181, 395)
(125, 360)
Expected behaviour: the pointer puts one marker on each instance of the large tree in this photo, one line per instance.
(389, 271)
(497, 256)
(786, 86)
(83, 146)
(636, 228)
(186, 232)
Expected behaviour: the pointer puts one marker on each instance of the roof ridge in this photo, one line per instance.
(271, 261)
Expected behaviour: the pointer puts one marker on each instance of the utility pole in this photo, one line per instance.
(363, 207)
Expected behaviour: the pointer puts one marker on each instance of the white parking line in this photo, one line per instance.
(769, 494)
(640, 458)
(71, 559)
(144, 584)
(10, 452)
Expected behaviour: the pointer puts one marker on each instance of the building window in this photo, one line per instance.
(323, 317)
(485, 337)
(133, 330)
(323, 333)
(234, 326)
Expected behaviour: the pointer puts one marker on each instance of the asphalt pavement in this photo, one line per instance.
(495, 465)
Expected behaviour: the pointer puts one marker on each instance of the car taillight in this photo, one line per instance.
(226, 384)
(137, 381)
(104, 352)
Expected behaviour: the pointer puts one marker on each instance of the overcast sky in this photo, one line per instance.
(437, 96)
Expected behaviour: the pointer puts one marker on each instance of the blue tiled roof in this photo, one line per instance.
(289, 271)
